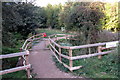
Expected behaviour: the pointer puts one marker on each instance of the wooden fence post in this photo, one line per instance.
(60, 53)
(49, 42)
(70, 61)
(99, 50)
(54, 47)
(27, 63)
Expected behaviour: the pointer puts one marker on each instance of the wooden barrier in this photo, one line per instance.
(70, 48)
(70, 61)
(24, 53)
(12, 55)
(14, 69)
(25, 47)
(52, 43)
(30, 40)
(60, 54)
(27, 66)
(99, 51)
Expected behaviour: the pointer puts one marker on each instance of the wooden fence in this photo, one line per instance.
(29, 41)
(24, 54)
(70, 57)
(26, 66)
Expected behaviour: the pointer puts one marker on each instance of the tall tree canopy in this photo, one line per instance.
(22, 19)
(84, 19)
(111, 17)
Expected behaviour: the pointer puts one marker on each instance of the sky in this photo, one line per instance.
(45, 2)
(53, 2)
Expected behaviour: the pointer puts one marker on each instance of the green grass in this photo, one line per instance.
(11, 62)
(50, 32)
(18, 74)
(60, 66)
(107, 67)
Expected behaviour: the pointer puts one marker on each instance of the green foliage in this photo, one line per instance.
(110, 21)
(40, 17)
(83, 19)
(21, 19)
(60, 66)
(107, 67)
(64, 42)
(49, 32)
(7, 50)
(111, 11)
(52, 12)
(18, 74)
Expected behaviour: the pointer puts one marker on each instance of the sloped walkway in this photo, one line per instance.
(43, 65)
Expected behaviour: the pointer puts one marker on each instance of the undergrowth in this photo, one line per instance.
(107, 67)
(11, 62)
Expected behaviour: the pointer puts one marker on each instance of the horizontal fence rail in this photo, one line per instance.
(91, 55)
(56, 52)
(26, 66)
(91, 45)
(24, 54)
(30, 40)
(15, 69)
(52, 38)
(13, 55)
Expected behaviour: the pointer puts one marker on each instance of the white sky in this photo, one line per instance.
(53, 2)
(45, 2)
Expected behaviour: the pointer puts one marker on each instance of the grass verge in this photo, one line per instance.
(107, 67)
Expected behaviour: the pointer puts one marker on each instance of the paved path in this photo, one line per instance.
(43, 65)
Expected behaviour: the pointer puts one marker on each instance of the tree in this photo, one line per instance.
(85, 20)
(64, 15)
(9, 23)
(110, 20)
(82, 18)
(49, 14)
(56, 9)
(52, 15)
(22, 19)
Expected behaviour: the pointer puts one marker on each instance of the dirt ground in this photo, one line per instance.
(43, 64)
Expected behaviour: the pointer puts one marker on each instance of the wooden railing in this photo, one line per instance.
(71, 48)
(30, 40)
(23, 54)
(26, 66)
